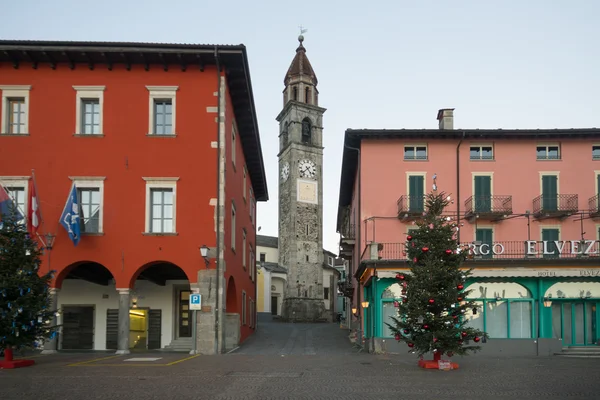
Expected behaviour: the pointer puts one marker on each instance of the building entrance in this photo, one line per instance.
(576, 322)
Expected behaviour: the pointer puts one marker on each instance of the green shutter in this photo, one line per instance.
(483, 193)
(416, 186)
(549, 192)
(550, 235)
(485, 235)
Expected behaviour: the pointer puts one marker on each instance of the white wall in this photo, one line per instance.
(271, 254)
(327, 274)
(83, 293)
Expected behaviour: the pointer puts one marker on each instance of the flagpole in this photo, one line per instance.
(37, 194)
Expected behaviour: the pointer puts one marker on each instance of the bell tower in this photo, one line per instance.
(301, 191)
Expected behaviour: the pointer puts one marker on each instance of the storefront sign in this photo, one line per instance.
(581, 247)
(513, 272)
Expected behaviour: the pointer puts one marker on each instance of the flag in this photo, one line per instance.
(70, 217)
(33, 213)
(6, 203)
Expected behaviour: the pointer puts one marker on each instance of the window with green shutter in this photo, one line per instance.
(550, 235)
(485, 236)
(549, 192)
(416, 187)
(483, 193)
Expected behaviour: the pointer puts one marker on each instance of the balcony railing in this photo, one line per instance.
(594, 206)
(560, 204)
(346, 288)
(349, 231)
(514, 250)
(488, 205)
(410, 205)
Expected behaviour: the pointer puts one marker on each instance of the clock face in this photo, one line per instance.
(285, 172)
(307, 169)
(307, 191)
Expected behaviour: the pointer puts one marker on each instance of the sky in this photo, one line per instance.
(380, 64)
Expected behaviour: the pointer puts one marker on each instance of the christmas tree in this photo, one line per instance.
(25, 311)
(434, 299)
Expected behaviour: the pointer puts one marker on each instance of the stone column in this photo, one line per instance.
(124, 306)
(51, 344)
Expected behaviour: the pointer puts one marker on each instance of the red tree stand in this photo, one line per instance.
(435, 363)
(9, 363)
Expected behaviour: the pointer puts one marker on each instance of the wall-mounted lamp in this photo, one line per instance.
(204, 253)
(49, 241)
(354, 310)
(365, 304)
(547, 302)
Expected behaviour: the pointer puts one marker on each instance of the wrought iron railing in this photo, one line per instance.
(512, 250)
(560, 203)
(594, 205)
(412, 205)
(489, 204)
(349, 231)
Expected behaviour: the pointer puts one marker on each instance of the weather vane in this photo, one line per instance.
(302, 30)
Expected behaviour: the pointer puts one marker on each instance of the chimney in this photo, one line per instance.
(446, 118)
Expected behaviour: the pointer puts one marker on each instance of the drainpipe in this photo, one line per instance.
(358, 228)
(458, 186)
(218, 259)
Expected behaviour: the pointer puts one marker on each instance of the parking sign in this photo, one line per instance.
(195, 301)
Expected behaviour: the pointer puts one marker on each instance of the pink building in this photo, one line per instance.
(528, 206)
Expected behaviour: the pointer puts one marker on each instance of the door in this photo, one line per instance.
(416, 193)
(549, 193)
(550, 236)
(154, 329)
(485, 236)
(483, 193)
(184, 314)
(78, 328)
(112, 329)
(576, 322)
(273, 305)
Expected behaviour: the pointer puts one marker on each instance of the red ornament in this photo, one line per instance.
(409, 238)
(400, 277)
(415, 259)
(396, 304)
(455, 316)
(411, 344)
(459, 298)
(406, 331)
(460, 287)
(425, 249)
(448, 251)
(431, 301)
(435, 340)
(425, 326)
(397, 336)
(464, 334)
(404, 300)
(476, 339)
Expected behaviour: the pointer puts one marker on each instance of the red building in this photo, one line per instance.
(161, 142)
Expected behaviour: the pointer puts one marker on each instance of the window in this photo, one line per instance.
(416, 152)
(244, 248)
(485, 152)
(243, 307)
(162, 107)
(306, 131)
(330, 261)
(596, 152)
(90, 192)
(252, 207)
(15, 109)
(549, 192)
(551, 236)
(484, 237)
(416, 193)
(389, 296)
(307, 95)
(245, 185)
(89, 110)
(233, 144)
(295, 93)
(161, 205)
(252, 263)
(284, 134)
(548, 152)
(263, 257)
(326, 293)
(17, 193)
(233, 226)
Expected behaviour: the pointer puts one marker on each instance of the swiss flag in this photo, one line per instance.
(33, 212)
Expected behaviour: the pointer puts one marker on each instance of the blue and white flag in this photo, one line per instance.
(70, 218)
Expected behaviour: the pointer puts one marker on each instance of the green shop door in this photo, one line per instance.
(576, 322)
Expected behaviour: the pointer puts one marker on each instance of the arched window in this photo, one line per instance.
(294, 93)
(306, 131)
(284, 134)
(307, 95)
(504, 309)
(389, 298)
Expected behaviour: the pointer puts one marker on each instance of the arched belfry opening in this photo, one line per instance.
(306, 131)
(307, 95)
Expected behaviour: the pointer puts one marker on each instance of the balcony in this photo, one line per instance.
(594, 206)
(347, 240)
(507, 251)
(346, 288)
(410, 207)
(490, 208)
(556, 206)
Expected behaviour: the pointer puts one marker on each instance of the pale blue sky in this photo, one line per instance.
(380, 64)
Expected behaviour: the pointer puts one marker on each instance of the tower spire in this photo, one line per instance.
(300, 80)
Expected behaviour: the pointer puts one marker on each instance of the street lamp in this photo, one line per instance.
(204, 253)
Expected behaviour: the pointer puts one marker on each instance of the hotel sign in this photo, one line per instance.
(532, 247)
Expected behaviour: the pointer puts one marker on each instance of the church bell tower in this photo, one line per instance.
(301, 191)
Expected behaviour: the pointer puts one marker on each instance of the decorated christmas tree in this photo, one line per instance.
(25, 311)
(431, 314)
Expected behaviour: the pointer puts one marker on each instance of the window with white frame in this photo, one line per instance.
(481, 152)
(252, 207)
(252, 262)
(244, 248)
(15, 109)
(161, 205)
(263, 257)
(330, 261)
(90, 193)
(17, 189)
(415, 152)
(233, 228)
(89, 110)
(233, 144)
(245, 184)
(596, 152)
(548, 152)
(162, 107)
(243, 307)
